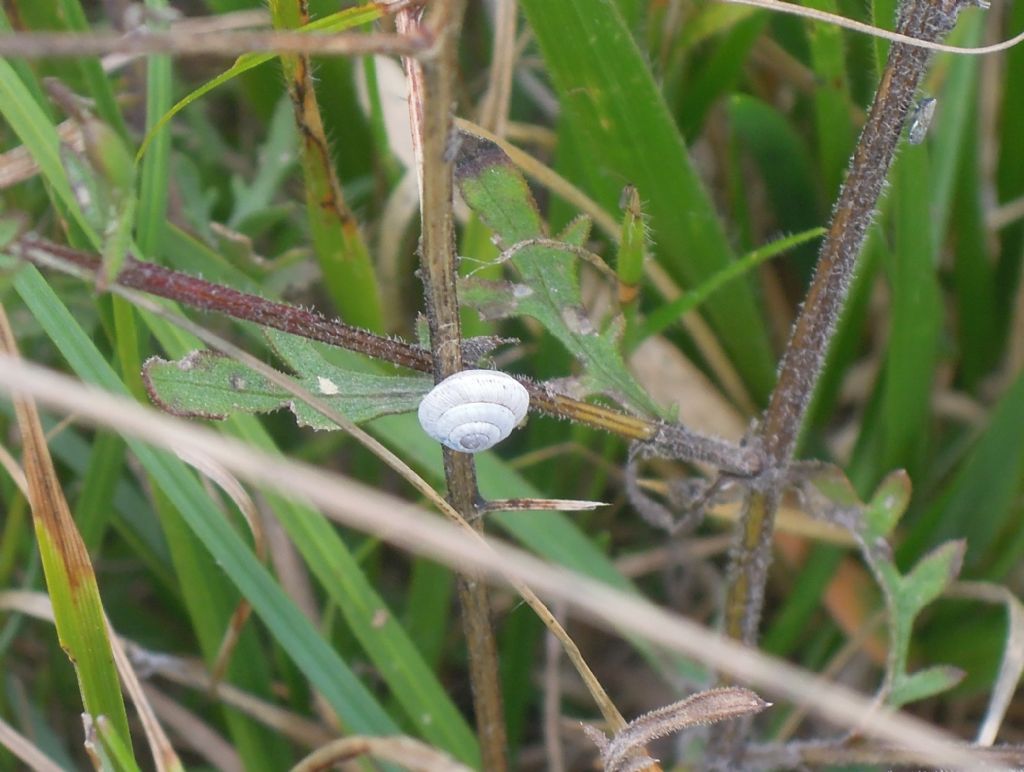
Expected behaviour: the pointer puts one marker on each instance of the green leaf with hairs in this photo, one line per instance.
(906, 595)
(549, 287)
(925, 683)
(206, 384)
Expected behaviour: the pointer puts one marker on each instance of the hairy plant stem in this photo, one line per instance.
(669, 440)
(804, 357)
(431, 98)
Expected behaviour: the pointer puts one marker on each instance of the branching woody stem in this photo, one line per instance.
(808, 345)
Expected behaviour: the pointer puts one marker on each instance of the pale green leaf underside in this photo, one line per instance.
(209, 385)
(924, 683)
(906, 594)
(548, 288)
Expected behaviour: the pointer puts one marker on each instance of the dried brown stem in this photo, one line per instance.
(866, 752)
(625, 749)
(407, 751)
(407, 527)
(48, 45)
(804, 358)
(431, 97)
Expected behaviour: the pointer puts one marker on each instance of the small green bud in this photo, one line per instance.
(108, 154)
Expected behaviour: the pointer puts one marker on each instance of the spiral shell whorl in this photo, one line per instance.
(473, 410)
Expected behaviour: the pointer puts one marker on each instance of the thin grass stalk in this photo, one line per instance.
(51, 45)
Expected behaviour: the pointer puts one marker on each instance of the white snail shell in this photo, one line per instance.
(473, 409)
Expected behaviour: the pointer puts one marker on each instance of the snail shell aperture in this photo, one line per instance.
(473, 409)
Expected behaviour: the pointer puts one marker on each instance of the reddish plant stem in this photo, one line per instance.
(207, 296)
(671, 440)
(804, 357)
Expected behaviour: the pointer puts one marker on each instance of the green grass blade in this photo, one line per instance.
(949, 137)
(93, 506)
(342, 20)
(321, 665)
(718, 75)
(666, 315)
(769, 138)
(916, 323)
(338, 243)
(70, 580)
(981, 502)
(96, 81)
(154, 176)
(24, 115)
(834, 129)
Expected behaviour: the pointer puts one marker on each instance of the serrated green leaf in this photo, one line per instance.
(577, 231)
(906, 595)
(206, 384)
(549, 291)
(830, 495)
(924, 683)
(830, 481)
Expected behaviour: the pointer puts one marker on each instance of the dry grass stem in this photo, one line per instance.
(623, 752)
(50, 45)
(25, 750)
(410, 753)
(406, 526)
